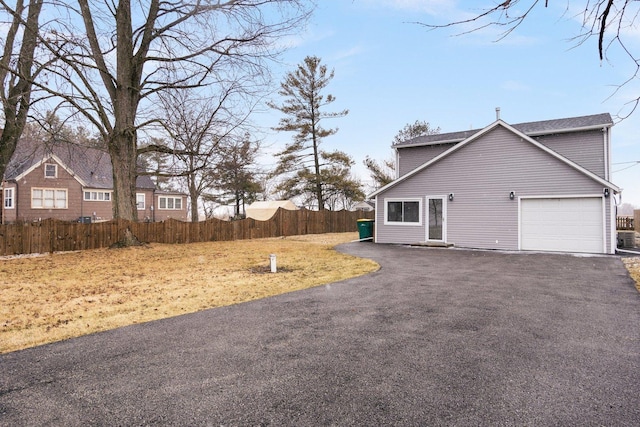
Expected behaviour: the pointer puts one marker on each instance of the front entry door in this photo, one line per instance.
(436, 229)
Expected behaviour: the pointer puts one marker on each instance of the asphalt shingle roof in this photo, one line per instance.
(529, 128)
(91, 165)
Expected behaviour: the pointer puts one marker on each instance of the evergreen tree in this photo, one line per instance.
(303, 108)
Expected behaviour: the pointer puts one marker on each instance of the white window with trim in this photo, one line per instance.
(49, 198)
(8, 198)
(403, 211)
(140, 201)
(169, 203)
(97, 196)
(50, 170)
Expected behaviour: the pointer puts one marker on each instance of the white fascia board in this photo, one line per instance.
(482, 132)
(435, 159)
(569, 130)
(44, 160)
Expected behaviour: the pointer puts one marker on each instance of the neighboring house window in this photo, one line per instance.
(48, 198)
(101, 196)
(403, 211)
(50, 170)
(8, 198)
(140, 201)
(174, 203)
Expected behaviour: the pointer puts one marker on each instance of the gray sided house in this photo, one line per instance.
(70, 183)
(531, 186)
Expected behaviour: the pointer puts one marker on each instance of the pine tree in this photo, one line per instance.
(303, 108)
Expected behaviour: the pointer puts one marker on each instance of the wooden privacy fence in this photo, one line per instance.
(624, 223)
(58, 236)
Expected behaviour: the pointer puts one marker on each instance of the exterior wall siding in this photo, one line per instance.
(76, 205)
(481, 175)
(36, 179)
(97, 210)
(410, 158)
(164, 214)
(584, 148)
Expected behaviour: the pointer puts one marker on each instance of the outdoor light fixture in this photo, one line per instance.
(512, 195)
(606, 192)
(450, 196)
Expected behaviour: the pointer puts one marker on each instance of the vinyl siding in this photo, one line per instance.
(481, 175)
(584, 148)
(410, 158)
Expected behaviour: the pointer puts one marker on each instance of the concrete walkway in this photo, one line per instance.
(436, 337)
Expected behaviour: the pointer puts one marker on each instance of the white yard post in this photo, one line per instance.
(272, 262)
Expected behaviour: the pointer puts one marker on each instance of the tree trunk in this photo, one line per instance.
(16, 99)
(193, 195)
(122, 150)
(317, 171)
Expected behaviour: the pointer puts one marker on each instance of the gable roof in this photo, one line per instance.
(545, 127)
(91, 167)
(484, 131)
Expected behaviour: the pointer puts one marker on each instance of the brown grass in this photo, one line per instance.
(633, 265)
(64, 295)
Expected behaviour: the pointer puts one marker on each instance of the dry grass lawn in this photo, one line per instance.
(63, 295)
(54, 297)
(633, 265)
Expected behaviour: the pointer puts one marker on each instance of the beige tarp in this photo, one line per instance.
(262, 211)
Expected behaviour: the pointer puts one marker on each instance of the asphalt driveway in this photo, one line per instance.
(436, 337)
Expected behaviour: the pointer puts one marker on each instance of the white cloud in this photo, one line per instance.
(347, 53)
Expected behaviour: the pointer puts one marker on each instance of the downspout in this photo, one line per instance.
(607, 152)
(81, 204)
(15, 201)
(2, 188)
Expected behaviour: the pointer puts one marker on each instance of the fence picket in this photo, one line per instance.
(57, 236)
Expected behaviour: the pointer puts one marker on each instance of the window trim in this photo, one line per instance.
(55, 171)
(55, 192)
(166, 198)
(403, 199)
(97, 194)
(144, 201)
(9, 197)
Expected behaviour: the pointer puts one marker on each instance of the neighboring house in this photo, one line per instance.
(531, 186)
(74, 183)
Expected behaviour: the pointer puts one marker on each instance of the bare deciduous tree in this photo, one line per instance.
(385, 172)
(17, 71)
(197, 127)
(605, 20)
(112, 67)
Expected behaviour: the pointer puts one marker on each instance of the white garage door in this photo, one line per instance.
(566, 225)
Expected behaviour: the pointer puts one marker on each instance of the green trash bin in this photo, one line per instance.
(365, 228)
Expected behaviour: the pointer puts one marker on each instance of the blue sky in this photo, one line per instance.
(390, 71)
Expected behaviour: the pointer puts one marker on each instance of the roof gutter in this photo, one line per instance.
(538, 133)
(568, 130)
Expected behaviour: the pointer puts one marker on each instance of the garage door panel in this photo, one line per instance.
(571, 224)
